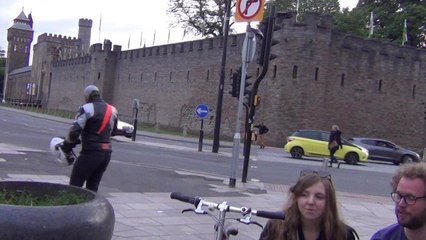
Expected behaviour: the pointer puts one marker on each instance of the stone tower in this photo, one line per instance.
(19, 36)
(84, 32)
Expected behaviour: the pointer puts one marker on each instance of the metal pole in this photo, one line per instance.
(135, 125)
(218, 118)
(200, 138)
(237, 136)
(250, 118)
(135, 120)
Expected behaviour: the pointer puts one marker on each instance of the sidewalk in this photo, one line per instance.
(153, 215)
(156, 216)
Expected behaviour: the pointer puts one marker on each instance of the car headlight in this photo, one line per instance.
(128, 129)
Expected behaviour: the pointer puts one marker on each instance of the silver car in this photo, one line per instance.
(124, 129)
(384, 150)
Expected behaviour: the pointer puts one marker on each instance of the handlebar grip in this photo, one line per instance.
(272, 215)
(179, 196)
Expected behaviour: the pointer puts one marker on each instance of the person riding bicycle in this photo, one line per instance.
(311, 212)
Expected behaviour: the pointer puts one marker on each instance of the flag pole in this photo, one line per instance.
(100, 27)
(370, 35)
(404, 33)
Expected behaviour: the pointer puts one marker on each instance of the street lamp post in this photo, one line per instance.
(218, 118)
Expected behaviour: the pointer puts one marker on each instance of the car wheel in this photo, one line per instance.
(351, 158)
(407, 159)
(296, 152)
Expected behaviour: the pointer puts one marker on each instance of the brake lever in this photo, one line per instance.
(247, 221)
(258, 224)
(193, 210)
(188, 210)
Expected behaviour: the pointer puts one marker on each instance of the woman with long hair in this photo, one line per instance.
(311, 212)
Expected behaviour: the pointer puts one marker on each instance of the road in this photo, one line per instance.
(155, 163)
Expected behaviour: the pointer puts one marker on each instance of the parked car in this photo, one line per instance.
(384, 150)
(314, 143)
(124, 129)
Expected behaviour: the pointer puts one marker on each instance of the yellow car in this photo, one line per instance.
(314, 143)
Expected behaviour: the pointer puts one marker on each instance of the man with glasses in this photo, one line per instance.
(409, 194)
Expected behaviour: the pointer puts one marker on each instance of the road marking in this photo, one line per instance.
(13, 149)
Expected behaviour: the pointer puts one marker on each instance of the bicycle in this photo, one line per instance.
(223, 232)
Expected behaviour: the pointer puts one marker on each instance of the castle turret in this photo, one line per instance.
(84, 32)
(19, 36)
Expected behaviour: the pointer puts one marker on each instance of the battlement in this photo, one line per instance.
(72, 61)
(207, 44)
(355, 43)
(85, 22)
(57, 39)
(312, 20)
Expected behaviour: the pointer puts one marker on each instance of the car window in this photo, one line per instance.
(325, 136)
(387, 144)
(369, 142)
(309, 134)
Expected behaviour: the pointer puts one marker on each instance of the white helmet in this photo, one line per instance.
(56, 150)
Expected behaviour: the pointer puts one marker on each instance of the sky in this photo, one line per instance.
(123, 22)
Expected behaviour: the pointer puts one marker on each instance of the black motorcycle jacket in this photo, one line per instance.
(95, 122)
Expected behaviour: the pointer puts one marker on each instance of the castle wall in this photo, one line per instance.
(367, 87)
(17, 87)
(171, 80)
(321, 77)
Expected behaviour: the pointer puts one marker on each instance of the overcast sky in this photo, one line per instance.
(121, 20)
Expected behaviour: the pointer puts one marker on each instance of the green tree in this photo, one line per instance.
(329, 7)
(199, 17)
(388, 20)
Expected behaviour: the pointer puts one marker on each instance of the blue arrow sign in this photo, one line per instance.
(202, 110)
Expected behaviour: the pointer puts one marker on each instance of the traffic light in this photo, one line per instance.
(267, 27)
(235, 83)
(247, 84)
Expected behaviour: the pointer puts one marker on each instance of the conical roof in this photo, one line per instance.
(22, 17)
(22, 22)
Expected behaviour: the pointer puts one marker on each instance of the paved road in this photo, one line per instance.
(151, 214)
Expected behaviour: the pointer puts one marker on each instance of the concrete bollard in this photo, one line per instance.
(424, 155)
(325, 164)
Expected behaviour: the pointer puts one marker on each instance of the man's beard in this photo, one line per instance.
(414, 221)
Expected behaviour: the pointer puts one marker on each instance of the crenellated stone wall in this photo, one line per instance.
(321, 77)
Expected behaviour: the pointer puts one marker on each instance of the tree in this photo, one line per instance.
(329, 7)
(388, 21)
(199, 17)
(206, 17)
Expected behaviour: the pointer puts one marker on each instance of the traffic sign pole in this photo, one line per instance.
(247, 57)
(200, 138)
(202, 111)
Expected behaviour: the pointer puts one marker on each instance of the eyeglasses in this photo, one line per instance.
(323, 174)
(408, 199)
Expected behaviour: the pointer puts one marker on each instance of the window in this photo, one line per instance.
(294, 71)
(316, 73)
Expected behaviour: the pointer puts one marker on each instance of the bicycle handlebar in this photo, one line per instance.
(243, 210)
(179, 196)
